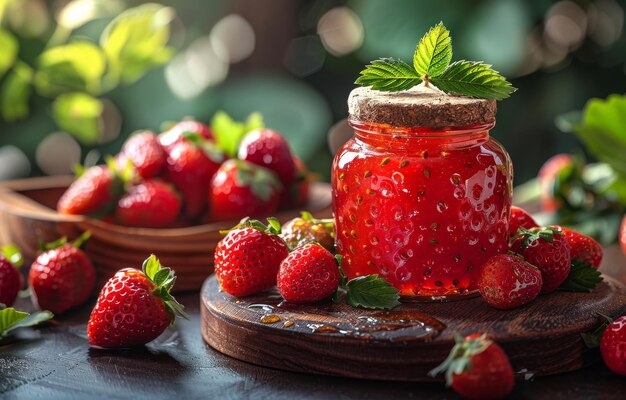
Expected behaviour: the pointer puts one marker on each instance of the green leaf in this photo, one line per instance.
(592, 339)
(274, 225)
(135, 41)
(74, 66)
(11, 319)
(433, 52)
(9, 46)
(474, 79)
(254, 122)
(161, 276)
(13, 254)
(582, 277)
(151, 266)
(371, 291)
(228, 132)
(602, 130)
(79, 115)
(15, 92)
(388, 74)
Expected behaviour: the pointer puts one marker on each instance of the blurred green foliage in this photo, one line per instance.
(74, 72)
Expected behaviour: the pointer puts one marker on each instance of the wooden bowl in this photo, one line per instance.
(28, 218)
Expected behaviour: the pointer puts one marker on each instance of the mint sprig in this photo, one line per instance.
(434, 51)
(582, 277)
(389, 75)
(431, 63)
(370, 291)
(12, 319)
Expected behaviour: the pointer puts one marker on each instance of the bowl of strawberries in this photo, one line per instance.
(168, 193)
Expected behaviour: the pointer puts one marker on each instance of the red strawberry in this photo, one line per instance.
(583, 247)
(622, 235)
(507, 281)
(191, 163)
(520, 219)
(145, 152)
(296, 193)
(546, 177)
(269, 149)
(477, 368)
(149, 204)
(307, 229)
(613, 346)
(248, 258)
(10, 278)
(176, 133)
(62, 277)
(93, 192)
(547, 249)
(241, 189)
(134, 307)
(308, 275)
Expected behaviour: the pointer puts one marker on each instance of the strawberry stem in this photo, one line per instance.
(458, 360)
(163, 279)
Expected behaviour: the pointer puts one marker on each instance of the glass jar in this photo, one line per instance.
(423, 207)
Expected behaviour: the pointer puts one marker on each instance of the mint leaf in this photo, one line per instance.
(371, 291)
(11, 319)
(474, 79)
(389, 74)
(434, 51)
(582, 277)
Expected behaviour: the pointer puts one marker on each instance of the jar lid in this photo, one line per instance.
(419, 106)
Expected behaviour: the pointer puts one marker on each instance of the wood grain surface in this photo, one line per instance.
(542, 338)
(28, 218)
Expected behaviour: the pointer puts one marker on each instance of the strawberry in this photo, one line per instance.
(191, 163)
(613, 346)
(145, 152)
(134, 307)
(240, 188)
(307, 229)
(547, 249)
(296, 193)
(269, 149)
(247, 259)
(176, 133)
(520, 219)
(94, 192)
(547, 176)
(10, 278)
(583, 248)
(149, 204)
(62, 277)
(308, 275)
(507, 281)
(477, 368)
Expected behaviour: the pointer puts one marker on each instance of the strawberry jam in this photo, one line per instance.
(423, 207)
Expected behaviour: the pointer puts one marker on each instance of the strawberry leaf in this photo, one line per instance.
(11, 319)
(228, 132)
(163, 279)
(388, 75)
(582, 277)
(530, 235)
(151, 266)
(162, 276)
(433, 52)
(274, 225)
(371, 291)
(13, 254)
(474, 79)
(592, 339)
(458, 360)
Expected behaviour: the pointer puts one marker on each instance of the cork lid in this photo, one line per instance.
(419, 106)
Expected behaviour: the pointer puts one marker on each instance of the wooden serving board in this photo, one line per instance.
(405, 343)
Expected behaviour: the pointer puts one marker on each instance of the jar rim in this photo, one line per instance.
(399, 132)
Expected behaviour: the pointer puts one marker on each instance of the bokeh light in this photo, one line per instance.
(341, 31)
(48, 151)
(305, 55)
(13, 163)
(233, 38)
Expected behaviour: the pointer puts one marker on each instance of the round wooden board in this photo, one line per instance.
(542, 338)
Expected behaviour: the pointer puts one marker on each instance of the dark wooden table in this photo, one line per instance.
(56, 362)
